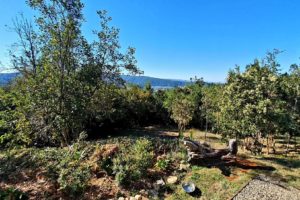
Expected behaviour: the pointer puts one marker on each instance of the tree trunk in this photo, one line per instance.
(202, 152)
(206, 124)
(268, 146)
(273, 144)
(287, 145)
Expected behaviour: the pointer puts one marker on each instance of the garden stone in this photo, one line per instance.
(160, 182)
(172, 179)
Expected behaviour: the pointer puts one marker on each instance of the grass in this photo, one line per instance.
(287, 168)
(210, 181)
(212, 184)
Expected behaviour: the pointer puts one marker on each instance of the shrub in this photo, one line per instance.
(73, 180)
(131, 164)
(162, 163)
(11, 193)
(68, 168)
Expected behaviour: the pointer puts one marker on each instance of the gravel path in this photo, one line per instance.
(265, 188)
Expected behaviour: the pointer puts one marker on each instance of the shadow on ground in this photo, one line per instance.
(285, 162)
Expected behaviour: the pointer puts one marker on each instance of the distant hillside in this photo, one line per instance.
(5, 78)
(156, 83)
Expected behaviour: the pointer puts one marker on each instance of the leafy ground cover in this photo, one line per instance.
(124, 166)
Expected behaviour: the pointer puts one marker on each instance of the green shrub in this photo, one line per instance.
(12, 194)
(162, 164)
(68, 168)
(107, 165)
(131, 164)
(73, 180)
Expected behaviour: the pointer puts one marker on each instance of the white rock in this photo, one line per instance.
(172, 179)
(121, 198)
(138, 197)
(160, 182)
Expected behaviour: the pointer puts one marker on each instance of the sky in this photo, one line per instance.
(180, 39)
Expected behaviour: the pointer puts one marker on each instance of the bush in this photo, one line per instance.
(68, 168)
(162, 163)
(13, 194)
(73, 180)
(131, 164)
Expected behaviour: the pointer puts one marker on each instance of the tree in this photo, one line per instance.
(291, 94)
(182, 113)
(184, 103)
(66, 73)
(212, 95)
(252, 103)
(11, 120)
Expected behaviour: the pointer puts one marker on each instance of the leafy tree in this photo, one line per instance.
(291, 94)
(212, 96)
(66, 73)
(11, 125)
(182, 113)
(252, 104)
(184, 104)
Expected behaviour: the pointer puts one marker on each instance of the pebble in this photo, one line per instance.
(172, 179)
(160, 182)
(138, 197)
(264, 188)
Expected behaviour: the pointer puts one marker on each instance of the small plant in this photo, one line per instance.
(162, 164)
(107, 165)
(131, 164)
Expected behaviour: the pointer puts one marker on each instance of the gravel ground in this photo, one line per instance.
(265, 188)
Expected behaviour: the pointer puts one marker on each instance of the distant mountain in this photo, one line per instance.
(5, 78)
(156, 83)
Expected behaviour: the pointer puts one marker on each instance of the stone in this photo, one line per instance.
(131, 198)
(184, 166)
(172, 179)
(121, 198)
(160, 182)
(138, 197)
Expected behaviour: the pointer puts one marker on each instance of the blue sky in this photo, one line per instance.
(183, 38)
